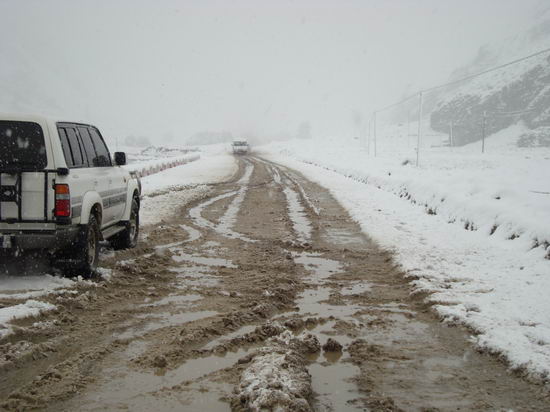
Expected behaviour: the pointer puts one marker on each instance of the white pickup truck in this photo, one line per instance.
(61, 191)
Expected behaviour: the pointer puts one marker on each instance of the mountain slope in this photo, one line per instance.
(520, 92)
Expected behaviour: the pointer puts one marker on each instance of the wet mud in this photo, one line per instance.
(261, 295)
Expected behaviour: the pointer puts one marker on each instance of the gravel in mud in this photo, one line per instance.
(259, 294)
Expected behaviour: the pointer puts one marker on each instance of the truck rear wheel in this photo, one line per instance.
(83, 258)
(128, 238)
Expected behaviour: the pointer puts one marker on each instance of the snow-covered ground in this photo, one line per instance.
(470, 229)
(163, 194)
(162, 191)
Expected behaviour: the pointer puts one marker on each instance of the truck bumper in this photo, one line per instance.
(28, 240)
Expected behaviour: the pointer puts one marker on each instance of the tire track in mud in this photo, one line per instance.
(227, 220)
(301, 224)
(324, 322)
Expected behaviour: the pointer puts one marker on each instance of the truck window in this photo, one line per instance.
(103, 157)
(66, 147)
(23, 145)
(88, 146)
(76, 150)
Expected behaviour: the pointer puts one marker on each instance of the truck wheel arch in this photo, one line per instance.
(133, 193)
(90, 203)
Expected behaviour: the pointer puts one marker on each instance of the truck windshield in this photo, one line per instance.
(240, 144)
(22, 146)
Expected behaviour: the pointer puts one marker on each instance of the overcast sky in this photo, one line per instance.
(165, 67)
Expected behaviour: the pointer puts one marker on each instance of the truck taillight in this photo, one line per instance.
(62, 201)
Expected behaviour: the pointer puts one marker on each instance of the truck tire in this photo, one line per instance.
(128, 238)
(83, 257)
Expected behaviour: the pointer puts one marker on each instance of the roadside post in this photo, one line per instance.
(374, 120)
(419, 127)
(451, 143)
(483, 131)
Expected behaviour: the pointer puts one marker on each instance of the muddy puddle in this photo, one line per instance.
(332, 378)
(171, 310)
(155, 321)
(356, 288)
(172, 300)
(333, 385)
(228, 336)
(184, 388)
(340, 236)
(181, 256)
(391, 325)
(321, 268)
(195, 277)
(312, 302)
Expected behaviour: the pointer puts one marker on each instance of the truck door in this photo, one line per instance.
(99, 167)
(81, 179)
(116, 199)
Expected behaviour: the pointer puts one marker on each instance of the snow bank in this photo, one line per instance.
(165, 192)
(28, 288)
(276, 377)
(24, 310)
(204, 170)
(505, 194)
(150, 167)
(32, 286)
(470, 229)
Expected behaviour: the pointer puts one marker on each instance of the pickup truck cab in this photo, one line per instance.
(61, 191)
(240, 146)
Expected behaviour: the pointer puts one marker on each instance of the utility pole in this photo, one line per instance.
(409, 129)
(483, 131)
(451, 143)
(374, 120)
(368, 138)
(419, 127)
(365, 134)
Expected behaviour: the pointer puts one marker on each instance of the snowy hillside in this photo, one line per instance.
(519, 92)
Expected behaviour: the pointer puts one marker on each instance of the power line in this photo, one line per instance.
(398, 103)
(489, 70)
(464, 79)
(421, 93)
(511, 113)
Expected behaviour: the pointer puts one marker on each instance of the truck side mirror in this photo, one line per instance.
(120, 158)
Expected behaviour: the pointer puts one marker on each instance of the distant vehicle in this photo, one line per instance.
(60, 191)
(240, 146)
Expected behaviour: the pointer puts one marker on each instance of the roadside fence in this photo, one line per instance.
(157, 166)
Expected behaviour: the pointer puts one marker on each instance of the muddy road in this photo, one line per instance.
(260, 293)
